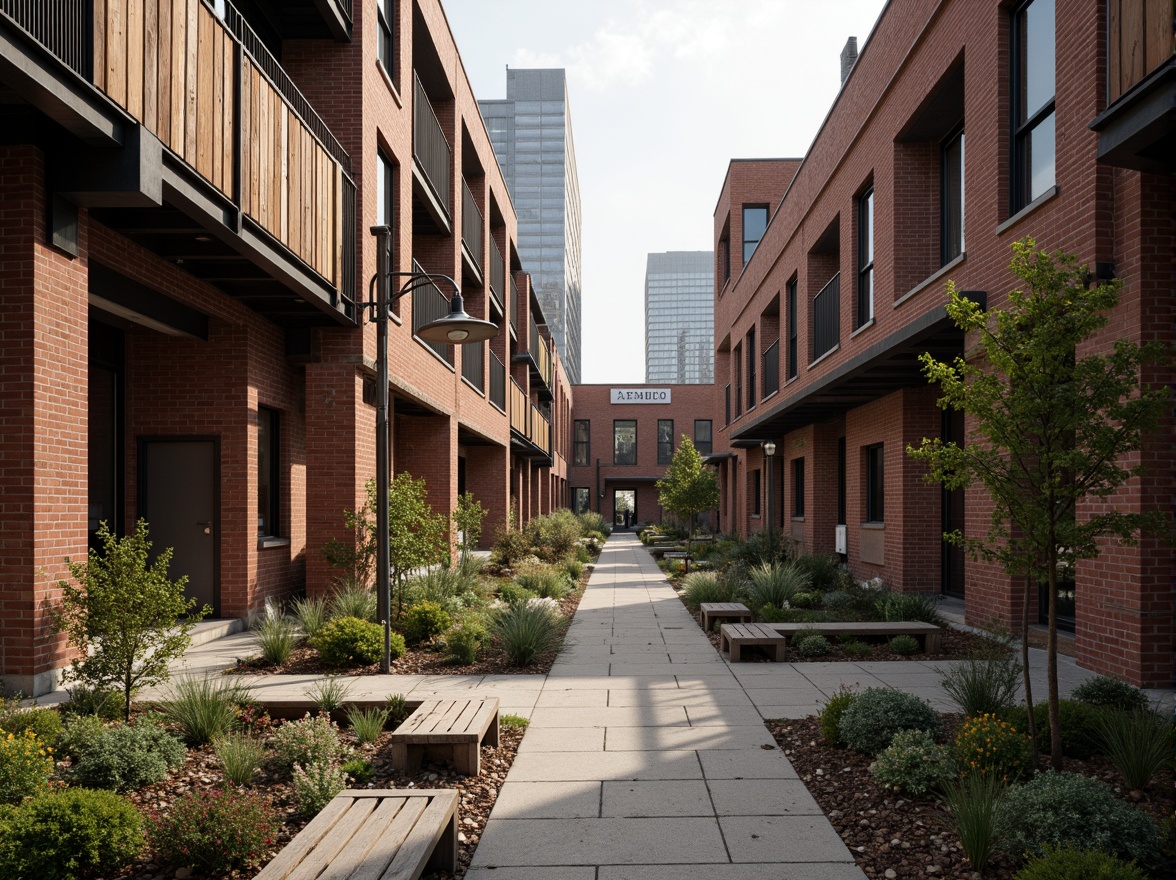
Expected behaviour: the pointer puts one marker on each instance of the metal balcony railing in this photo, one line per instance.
(727, 404)
(497, 273)
(497, 382)
(772, 369)
(430, 304)
(64, 27)
(430, 149)
(513, 306)
(471, 226)
(473, 365)
(827, 317)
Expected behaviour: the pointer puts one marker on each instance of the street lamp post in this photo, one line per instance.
(769, 452)
(456, 328)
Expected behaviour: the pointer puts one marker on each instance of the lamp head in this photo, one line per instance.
(769, 448)
(457, 328)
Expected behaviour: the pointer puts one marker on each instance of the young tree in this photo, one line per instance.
(357, 557)
(689, 486)
(418, 536)
(1053, 427)
(123, 614)
(468, 519)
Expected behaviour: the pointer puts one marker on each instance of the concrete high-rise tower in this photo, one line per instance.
(680, 317)
(532, 135)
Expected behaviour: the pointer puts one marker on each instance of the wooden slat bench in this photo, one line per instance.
(930, 634)
(448, 728)
(372, 834)
(733, 637)
(712, 611)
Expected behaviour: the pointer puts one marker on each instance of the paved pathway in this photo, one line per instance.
(646, 758)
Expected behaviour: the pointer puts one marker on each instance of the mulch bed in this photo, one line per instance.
(201, 772)
(903, 838)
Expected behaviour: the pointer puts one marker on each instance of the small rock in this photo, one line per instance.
(890, 874)
(468, 821)
(461, 838)
(933, 869)
(432, 777)
(183, 873)
(820, 772)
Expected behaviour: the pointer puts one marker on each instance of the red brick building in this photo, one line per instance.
(962, 128)
(622, 439)
(186, 189)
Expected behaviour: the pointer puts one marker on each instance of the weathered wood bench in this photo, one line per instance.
(930, 634)
(733, 637)
(374, 834)
(447, 728)
(712, 611)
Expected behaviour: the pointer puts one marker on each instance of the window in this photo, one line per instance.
(755, 222)
(725, 259)
(702, 436)
(738, 380)
(1033, 101)
(581, 500)
(865, 253)
(875, 484)
(951, 208)
(268, 482)
(798, 487)
(386, 206)
(386, 16)
(624, 441)
(755, 492)
(665, 440)
(751, 368)
(792, 332)
(581, 448)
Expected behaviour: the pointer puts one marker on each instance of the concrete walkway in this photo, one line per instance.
(646, 757)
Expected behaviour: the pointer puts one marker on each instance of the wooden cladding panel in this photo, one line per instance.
(1139, 39)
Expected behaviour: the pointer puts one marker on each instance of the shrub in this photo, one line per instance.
(903, 607)
(315, 785)
(311, 614)
(309, 740)
(353, 600)
(872, 720)
(976, 803)
(706, 586)
(591, 521)
(277, 637)
(510, 720)
(829, 717)
(1138, 743)
(442, 585)
(349, 641)
(127, 756)
(240, 756)
(104, 703)
(397, 709)
(555, 534)
(367, 724)
(78, 733)
(761, 548)
(216, 832)
(1056, 808)
(329, 694)
(981, 686)
(45, 723)
(510, 546)
(68, 834)
(512, 594)
(988, 745)
(913, 763)
(25, 764)
(526, 631)
(1110, 693)
(824, 572)
(904, 645)
(808, 601)
(1067, 863)
(811, 645)
(358, 770)
(1079, 723)
(204, 706)
(856, 648)
(466, 639)
(775, 585)
(573, 567)
(545, 581)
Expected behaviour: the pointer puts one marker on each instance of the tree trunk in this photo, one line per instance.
(1032, 721)
(1051, 648)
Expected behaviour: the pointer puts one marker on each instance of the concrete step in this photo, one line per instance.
(209, 630)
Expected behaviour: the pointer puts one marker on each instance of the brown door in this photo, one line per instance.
(178, 498)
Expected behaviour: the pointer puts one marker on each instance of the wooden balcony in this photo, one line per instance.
(530, 431)
(538, 358)
(1138, 128)
(224, 138)
(539, 432)
(519, 410)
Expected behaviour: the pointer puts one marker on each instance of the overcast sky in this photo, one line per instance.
(662, 93)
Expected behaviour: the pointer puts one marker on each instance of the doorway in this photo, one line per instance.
(624, 507)
(178, 480)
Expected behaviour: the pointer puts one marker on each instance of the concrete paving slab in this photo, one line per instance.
(584, 872)
(529, 842)
(600, 766)
(709, 716)
(651, 799)
(680, 697)
(769, 871)
(644, 739)
(563, 739)
(762, 797)
(557, 698)
(771, 713)
(549, 800)
(618, 716)
(764, 764)
(783, 839)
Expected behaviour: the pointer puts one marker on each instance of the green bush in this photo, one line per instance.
(573, 567)
(1079, 722)
(353, 600)
(277, 637)
(45, 723)
(466, 639)
(425, 620)
(1138, 743)
(216, 832)
(512, 594)
(990, 746)
(974, 802)
(311, 614)
(397, 709)
(367, 724)
(555, 534)
(442, 585)
(1110, 693)
(590, 522)
(909, 607)
(315, 785)
(25, 765)
(204, 706)
(761, 548)
(527, 631)
(872, 720)
(824, 572)
(309, 740)
(775, 585)
(105, 704)
(127, 757)
(511, 546)
(768, 614)
(811, 645)
(359, 770)
(1067, 863)
(78, 733)
(913, 763)
(1058, 808)
(856, 648)
(329, 693)
(904, 645)
(807, 601)
(829, 717)
(240, 756)
(982, 685)
(706, 586)
(545, 581)
(70, 833)
(349, 641)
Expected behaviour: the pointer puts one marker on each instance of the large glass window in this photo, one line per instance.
(385, 205)
(268, 484)
(386, 16)
(875, 484)
(798, 487)
(581, 447)
(755, 222)
(793, 335)
(665, 440)
(755, 492)
(738, 380)
(1033, 50)
(581, 500)
(702, 436)
(751, 359)
(624, 441)
(865, 251)
(952, 199)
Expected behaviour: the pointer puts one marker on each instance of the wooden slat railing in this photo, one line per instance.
(540, 430)
(513, 306)
(519, 408)
(1141, 37)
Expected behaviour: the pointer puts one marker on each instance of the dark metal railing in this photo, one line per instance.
(471, 225)
(429, 146)
(64, 27)
(751, 398)
(348, 257)
(473, 365)
(497, 382)
(827, 317)
(727, 404)
(430, 304)
(346, 6)
(497, 273)
(771, 380)
(513, 306)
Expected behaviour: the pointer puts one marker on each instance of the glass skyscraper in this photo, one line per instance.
(532, 135)
(680, 317)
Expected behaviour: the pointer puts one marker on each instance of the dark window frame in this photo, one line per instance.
(616, 424)
(587, 495)
(793, 332)
(755, 492)
(665, 448)
(750, 349)
(586, 444)
(798, 487)
(875, 483)
(385, 40)
(1021, 193)
(738, 354)
(386, 198)
(865, 258)
(269, 479)
(747, 255)
(709, 442)
(949, 249)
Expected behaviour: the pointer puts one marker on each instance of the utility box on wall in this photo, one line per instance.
(840, 541)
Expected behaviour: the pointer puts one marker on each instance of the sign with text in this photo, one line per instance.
(640, 395)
